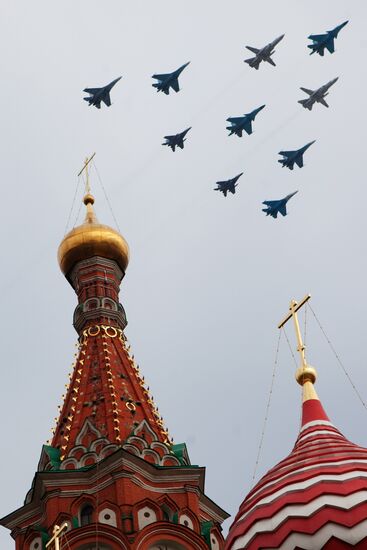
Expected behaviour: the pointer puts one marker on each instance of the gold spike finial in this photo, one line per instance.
(305, 374)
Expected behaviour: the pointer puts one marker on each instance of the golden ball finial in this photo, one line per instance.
(306, 374)
(92, 239)
(88, 199)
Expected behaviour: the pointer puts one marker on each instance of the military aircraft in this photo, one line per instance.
(100, 94)
(273, 208)
(326, 40)
(238, 124)
(177, 140)
(263, 54)
(228, 185)
(316, 96)
(294, 157)
(169, 80)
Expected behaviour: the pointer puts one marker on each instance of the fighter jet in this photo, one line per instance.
(238, 124)
(273, 208)
(294, 157)
(317, 96)
(177, 140)
(322, 41)
(228, 185)
(263, 54)
(100, 94)
(169, 80)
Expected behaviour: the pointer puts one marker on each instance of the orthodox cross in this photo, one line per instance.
(54, 543)
(293, 308)
(85, 167)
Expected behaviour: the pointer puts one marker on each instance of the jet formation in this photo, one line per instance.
(177, 140)
(263, 54)
(169, 80)
(316, 96)
(228, 186)
(273, 208)
(326, 40)
(100, 94)
(294, 157)
(238, 124)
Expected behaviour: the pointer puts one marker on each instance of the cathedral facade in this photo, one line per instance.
(111, 477)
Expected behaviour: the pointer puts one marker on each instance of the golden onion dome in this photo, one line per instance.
(92, 239)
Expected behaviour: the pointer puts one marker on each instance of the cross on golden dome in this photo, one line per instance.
(92, 238)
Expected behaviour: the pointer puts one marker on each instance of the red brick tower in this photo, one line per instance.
(111, 475)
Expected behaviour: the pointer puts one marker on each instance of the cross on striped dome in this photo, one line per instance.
(315, 499)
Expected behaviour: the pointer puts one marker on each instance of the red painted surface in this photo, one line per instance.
(320, 485)
(313, 410)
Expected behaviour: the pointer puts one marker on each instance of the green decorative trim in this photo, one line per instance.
(45, 537)
(205, 528)
(54, 456)
(180, 452)
(175, 518)
(75, 521)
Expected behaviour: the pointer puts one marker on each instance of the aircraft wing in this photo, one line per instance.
(299, 162)
(307, 91)
(285, 153)
(160, 77)
(235, 120)
(91, 91)
(175, 85)
(317, 37)
(330, 45)
(106, 99)
(253, 50)
(323, 102)
(268, 203)
(283, 210)
(248, 127)
(269, 60)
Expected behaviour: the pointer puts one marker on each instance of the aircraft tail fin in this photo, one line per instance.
(306, 104)
(253, 62)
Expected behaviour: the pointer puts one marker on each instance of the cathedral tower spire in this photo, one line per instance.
(111, 477)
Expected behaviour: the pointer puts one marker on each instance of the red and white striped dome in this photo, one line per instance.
(314, 499)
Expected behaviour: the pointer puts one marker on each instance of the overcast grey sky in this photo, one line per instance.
(209, 277)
